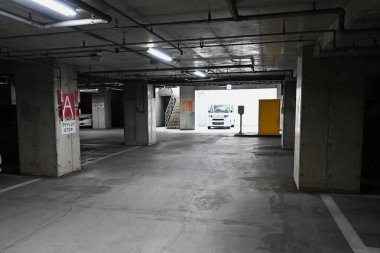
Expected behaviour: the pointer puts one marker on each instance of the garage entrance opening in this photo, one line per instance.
(210, 103)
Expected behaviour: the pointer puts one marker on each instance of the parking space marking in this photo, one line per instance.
(108, 156)
(19, 185)
(344, 225)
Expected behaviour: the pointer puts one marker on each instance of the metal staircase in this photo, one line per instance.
(172, 113)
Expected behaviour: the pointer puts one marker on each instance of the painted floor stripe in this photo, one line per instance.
(86, 163)
(108, 156)
(19, 185)
(345, 227)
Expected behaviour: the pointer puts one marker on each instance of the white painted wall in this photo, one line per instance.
(249, 98)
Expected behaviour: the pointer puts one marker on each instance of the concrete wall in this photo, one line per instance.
(43, 149)
(139, 114)
(187, 115)
(329, 119)
(288, 114)
(101, 109)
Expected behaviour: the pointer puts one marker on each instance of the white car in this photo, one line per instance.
(85, 120)
(221, 116)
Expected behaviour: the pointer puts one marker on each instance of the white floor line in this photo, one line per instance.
(344, 225)
(19, 185)
(108, 156)
(373, 250)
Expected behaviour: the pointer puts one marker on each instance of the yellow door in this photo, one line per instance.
(269, 117)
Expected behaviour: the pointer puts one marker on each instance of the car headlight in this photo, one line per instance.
(226, 116)
(210, 116)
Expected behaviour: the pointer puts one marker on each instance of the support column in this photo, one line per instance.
(329, 119)
(139, 114)
(289, 113)
(43, 149)
(101, 109)
(187, 113)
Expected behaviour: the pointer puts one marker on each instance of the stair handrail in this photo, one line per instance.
(169, 109)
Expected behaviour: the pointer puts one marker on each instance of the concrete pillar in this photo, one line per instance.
(101, 109)
(329, 119)
(139, 114)
(43, 149)
(187, 113)
(160, 109)
(288, 114)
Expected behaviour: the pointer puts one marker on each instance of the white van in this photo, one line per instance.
(221, 116)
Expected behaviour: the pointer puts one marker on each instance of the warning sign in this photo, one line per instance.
(68, 127)
(68, 124)
(68, 106)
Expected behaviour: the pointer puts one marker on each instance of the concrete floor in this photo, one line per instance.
(191, 192)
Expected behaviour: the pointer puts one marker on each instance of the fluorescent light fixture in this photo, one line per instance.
(57, 6)
(77, 22)
(159, 54)
(199, 74)
(89, 90)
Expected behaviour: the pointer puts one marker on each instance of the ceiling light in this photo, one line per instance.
(199, 74)
(89, 90)
(159, 54)
(57, 6)
(77, 22)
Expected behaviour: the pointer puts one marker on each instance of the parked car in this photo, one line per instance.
(85, 120)
(221, 116)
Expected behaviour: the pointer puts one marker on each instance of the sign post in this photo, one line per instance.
(241, 112)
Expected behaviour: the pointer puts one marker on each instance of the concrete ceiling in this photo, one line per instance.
(74, 46)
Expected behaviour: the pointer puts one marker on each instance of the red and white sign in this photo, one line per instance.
(68, 106)
(68, 124)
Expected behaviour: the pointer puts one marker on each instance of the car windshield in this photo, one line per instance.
(220, 109)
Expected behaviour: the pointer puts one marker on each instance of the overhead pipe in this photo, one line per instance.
(168, 69)
(88, 8)
(233, 9)
(139, 24)
(247, 36)
(185, 47)
(20, 19)
(338, 11)
(189, 69)
(329, 11)
(232, 79)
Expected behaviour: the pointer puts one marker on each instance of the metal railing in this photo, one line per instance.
(169, 109)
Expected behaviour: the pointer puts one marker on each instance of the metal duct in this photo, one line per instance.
(20, 19)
